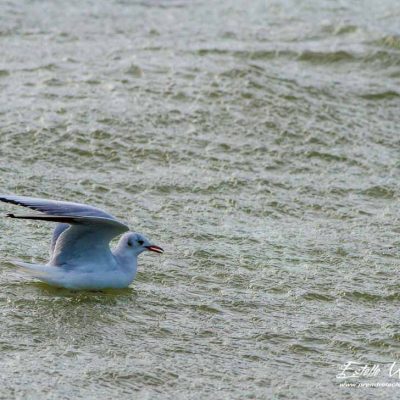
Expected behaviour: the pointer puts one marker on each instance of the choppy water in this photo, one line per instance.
(258, 143)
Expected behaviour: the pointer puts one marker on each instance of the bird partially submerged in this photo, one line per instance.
(80, 254)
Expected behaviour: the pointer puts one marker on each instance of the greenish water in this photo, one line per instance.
(257, 143)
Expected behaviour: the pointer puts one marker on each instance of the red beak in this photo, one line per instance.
(155, 248)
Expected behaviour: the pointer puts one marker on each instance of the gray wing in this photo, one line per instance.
(85, 241)
(54, 207)
(57, 208)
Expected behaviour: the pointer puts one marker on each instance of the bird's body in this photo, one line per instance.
(80, 255)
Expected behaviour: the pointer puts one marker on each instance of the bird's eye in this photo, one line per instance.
(140, 241)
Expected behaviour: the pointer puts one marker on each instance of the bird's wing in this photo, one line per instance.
(85, 241)
(57, 208)
(54, 207)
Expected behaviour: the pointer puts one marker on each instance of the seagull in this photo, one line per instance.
(80, 254)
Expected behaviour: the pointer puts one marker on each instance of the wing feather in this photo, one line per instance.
(83, 232)
(86, 241)
(54, 207)
(58, 209)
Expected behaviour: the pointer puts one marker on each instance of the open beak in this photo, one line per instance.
(155, 248)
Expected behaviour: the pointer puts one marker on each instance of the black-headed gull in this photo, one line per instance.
(80, 255)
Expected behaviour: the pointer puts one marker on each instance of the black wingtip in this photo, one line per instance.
(10, 215)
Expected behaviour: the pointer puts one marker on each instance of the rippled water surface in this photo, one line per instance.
(258, 143)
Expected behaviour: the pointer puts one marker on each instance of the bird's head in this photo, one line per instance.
(137, 243)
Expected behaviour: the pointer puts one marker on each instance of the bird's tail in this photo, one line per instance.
(33, 269)
(52, 275)
(49, 274)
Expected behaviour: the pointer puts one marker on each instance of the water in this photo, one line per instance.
(257, 142)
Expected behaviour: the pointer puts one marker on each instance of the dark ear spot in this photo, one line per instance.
(129, 243)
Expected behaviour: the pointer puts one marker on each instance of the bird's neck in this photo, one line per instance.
(126, 260)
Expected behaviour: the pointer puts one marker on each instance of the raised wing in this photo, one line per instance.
(67, 214)
(85, 241)
(53, 207)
